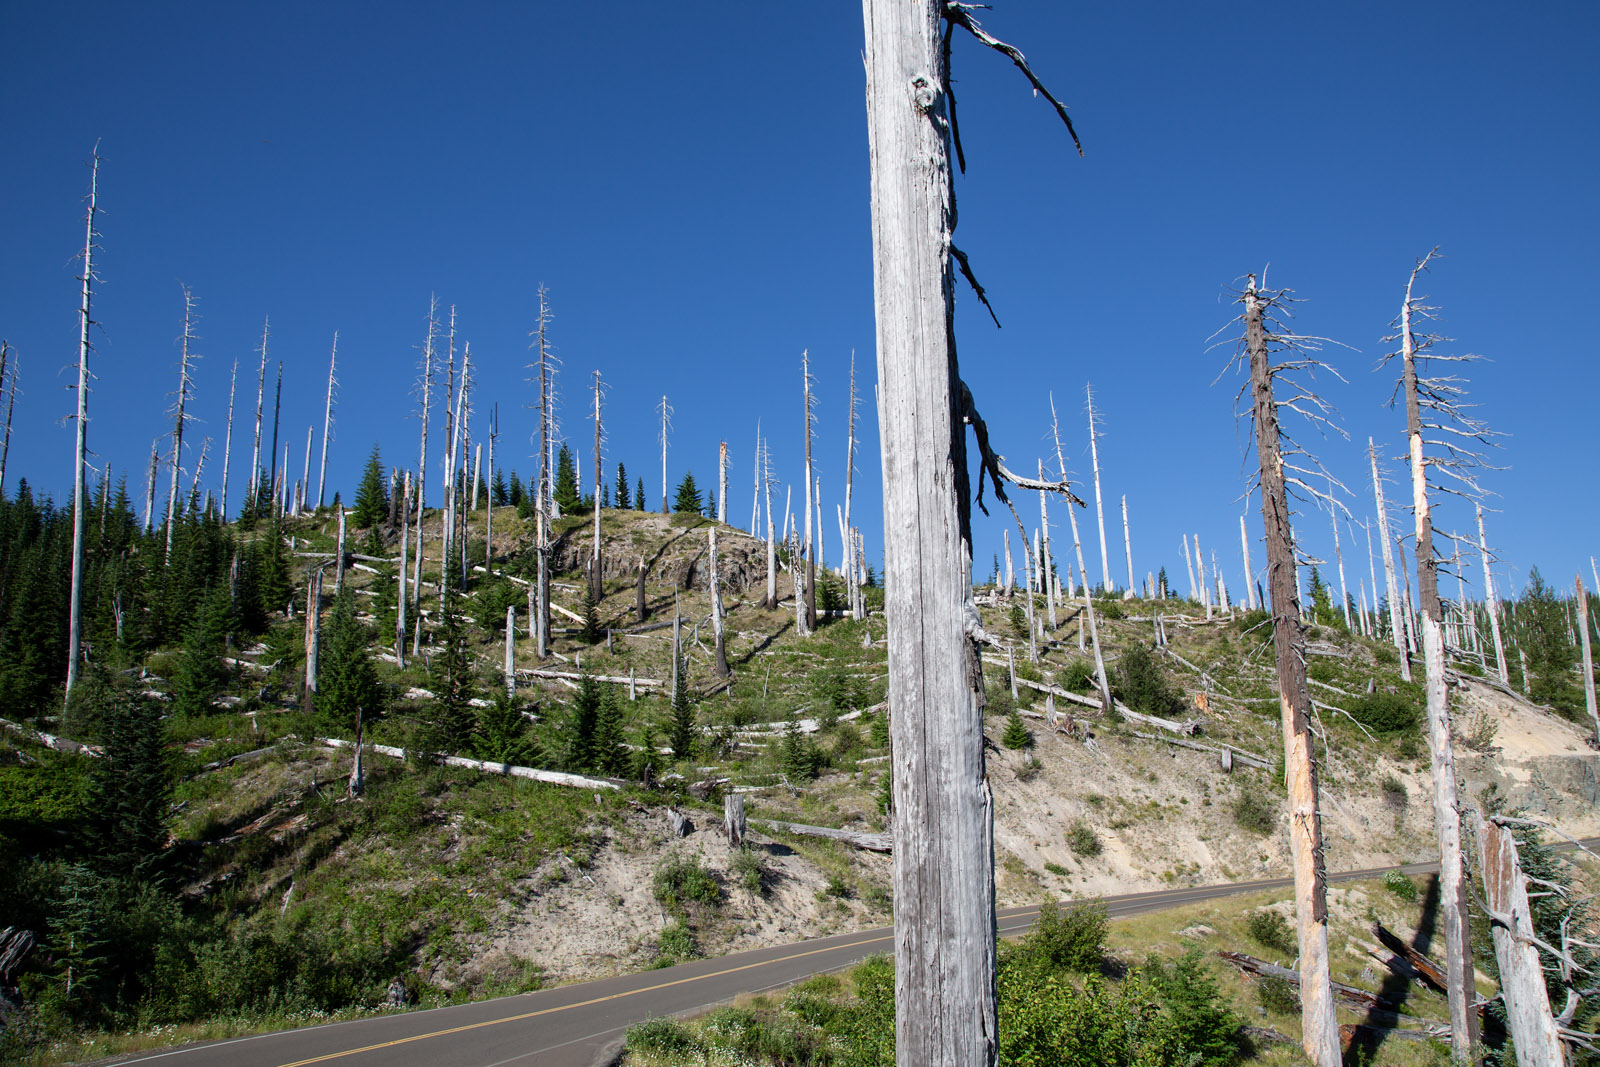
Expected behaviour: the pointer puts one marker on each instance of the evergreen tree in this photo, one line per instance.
(638, 496)
(611, 756)
(514, 491)
(1161, 582)
(1322, 612)
(798, 755)
(686, 501)
(75, 942)
(566, 488)
(880, 730)
(453, 683)
(593, 632)
(498, 494)
(346, 677)
(1016, 733)
(201, 674)
(1551, 654)
(372, 495)
(582, 724)
(503, 734)
(605, 496)
(624, 501)
(680, 726)
(130, 786)
(711, 504)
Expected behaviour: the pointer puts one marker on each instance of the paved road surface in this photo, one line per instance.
(580, 1025)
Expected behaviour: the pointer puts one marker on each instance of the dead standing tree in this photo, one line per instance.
(595, 590)
(1099, 506)
(1457, 434)
(1491, 604)
(1083, 575)
(186, 356)
(808, 546)
(9, 385)
(80, 501)
(327, 423)
(227, 445)
(254, 483)
(1264, 336)
(425, 383)
(664, 409)
(945, 1001)
(1386, 539)
(539, 608)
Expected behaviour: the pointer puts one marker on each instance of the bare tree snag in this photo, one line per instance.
(540, 612)
(339, 555)
(1446, 810)
(254, 483)
(772, 546)
(641, 610)
(80, 501)
(733, 820)
(722, 482)
(426, 385)
(277, 411)
(808, 547)
(185, 355)
(1127, 544)
(1010, 573)
(1188, 562)
(1588, 660)
(1044, 560)
(511, 649)
(849, 454)
(595, 589)
(755, 501)
(1249, 574)
(1320, 1024)
(1083, 575)
(327, 423)
(11, 406)
(400, 605)
(488, 512)
(664, 409)
(1099, 507)
(1385, 536)
(1522, 986)
(1200, 573)
(716, 607)
(313, 634)
(1338, 555)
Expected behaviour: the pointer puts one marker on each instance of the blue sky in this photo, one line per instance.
(691, 185)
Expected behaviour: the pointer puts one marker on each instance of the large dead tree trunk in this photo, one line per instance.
(1127, 544)
(80, 502)
(1446, 811)
(1338, 556)
(327, 426)
(1010, 567)
(1099, 506)
(945, 999)
(1249, 574)
(716, 609)
(1044, 561)
(1588, 660)
(488, 512)
(277, 411)
(1083, 575)
(595, 589)
(400, 605)
(1188, 563)
(227, 445)
(722, 482)
(254, 483)
(1522, 987)
(772, 544)
(11, 406)
(849, 455)
(664, 409)
(1319, 1021)
(540, 621)
(185, 355)
(808, 547)
(1396, 626)
(422, 464)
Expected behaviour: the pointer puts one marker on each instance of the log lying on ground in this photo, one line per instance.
(577, 781)
(860, 839)
(1238, 755)
(1429, 970)
(1188, 728)
(50, 741)
(1060, 693)
(1351, 996)
(218, 765)
(1348, 1032)
(542, 672)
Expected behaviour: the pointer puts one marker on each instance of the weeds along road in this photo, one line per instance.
(581, 1025)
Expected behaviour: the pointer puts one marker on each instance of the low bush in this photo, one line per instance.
(1386, 713)
(749, 868)
(1254, 812)
(1269, 929)
(680, 881)
(1071, 938)
(1278, 996)
(1140, 683)
(1400, 885)
(1083, 840)
(1016, 733)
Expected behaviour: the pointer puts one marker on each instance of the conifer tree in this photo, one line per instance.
(611, 755)
(201, 674)
(593, 632)
(638, 495)
(347, 679)
(130, 786)
(1016, 733)
(623, 497)
(453, 683)
(686, 501)
(680, 726)
(797, 756)
(582, 724)
(372, 495)
(499, 494)
(513, 491)
(503, 733)
(566, 490)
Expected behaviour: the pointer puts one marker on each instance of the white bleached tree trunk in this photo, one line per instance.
(722, 482)
(595, 589)
(539, 611)
(808, 548)
(185, 355)
(1588, 660)
(1200, 573)
(1396, 626)
(1338, 555)
(664, 409)
(850, 454)
(422, 465)
(1319, 1021)
(1188, 562)
(942, 810)
(227, 445)
(327, 424)
(1099, 506)
(772, 544)
(1127, 544)
(1010, 572)
(254, 482)
(10, 386)
(1491, 603)
(400, 605)
(721, 664)
(511, 649)
(755, 500)
(80, 502)
(1044, 532)
(1249, 574)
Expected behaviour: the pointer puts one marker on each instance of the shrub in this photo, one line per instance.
(1019, 622)
(1270, 930)
(1055, 868)
(666, 1036)
(1078, 676)
(1138, 680)
(675, 945)
(1480, 732)
(1016, 733)
(1394, 792)
(1194, 1025)
(1254, 812)
(749, 868)
(1083, 840)
(1386, 713)
(1072, 938)
(1278, 996)
(1401, 886)
(680, 881)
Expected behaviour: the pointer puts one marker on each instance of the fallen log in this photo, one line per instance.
(576, 781)
(545, 672)
(1237, 755)
(1188, 728)
(1057, 691)
(1351, 996)
(218, 765)
(860, 839)
(50, 741)
(1429, 970)
(1348, 1032)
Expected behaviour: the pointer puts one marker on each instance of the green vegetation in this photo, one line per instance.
(1254, 812)
(1269, 929)
(1139, 682)
(1016, 734)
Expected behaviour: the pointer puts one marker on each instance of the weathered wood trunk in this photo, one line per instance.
(1396, 626)
(539, 606)
(721, 663)
(1011, 582)
(338, 576)
(1249, 573)
(227, 441)
(400, 605)
(1127, 544)
(1319, 1022)
(254, 484)
(511, 648)
(809, 547)
(357, 781)
(1588, 660)
(1446, 808)
(422, 465)
(277, 412)
(640, 608)
(1099, 506)
(772, 544)
(945, 998)
(1505, 890)
(666, 411)
(733, 819)
(488, 511)
(595, 589)
(1188, 562)
(80, 502)
(1338, 555)
(10, 386)
(327, 425)
(722, 482)
(755, 499)
(177, 427)
(313, 635)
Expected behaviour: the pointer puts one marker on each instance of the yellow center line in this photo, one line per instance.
(579, 1004)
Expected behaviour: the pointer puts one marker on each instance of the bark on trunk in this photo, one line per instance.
(1446, 812)
(1319, 1022)
(80, 502)
(945, 998)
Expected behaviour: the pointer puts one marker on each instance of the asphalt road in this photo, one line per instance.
(580, 1025)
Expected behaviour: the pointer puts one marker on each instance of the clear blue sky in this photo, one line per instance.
(690, 182)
